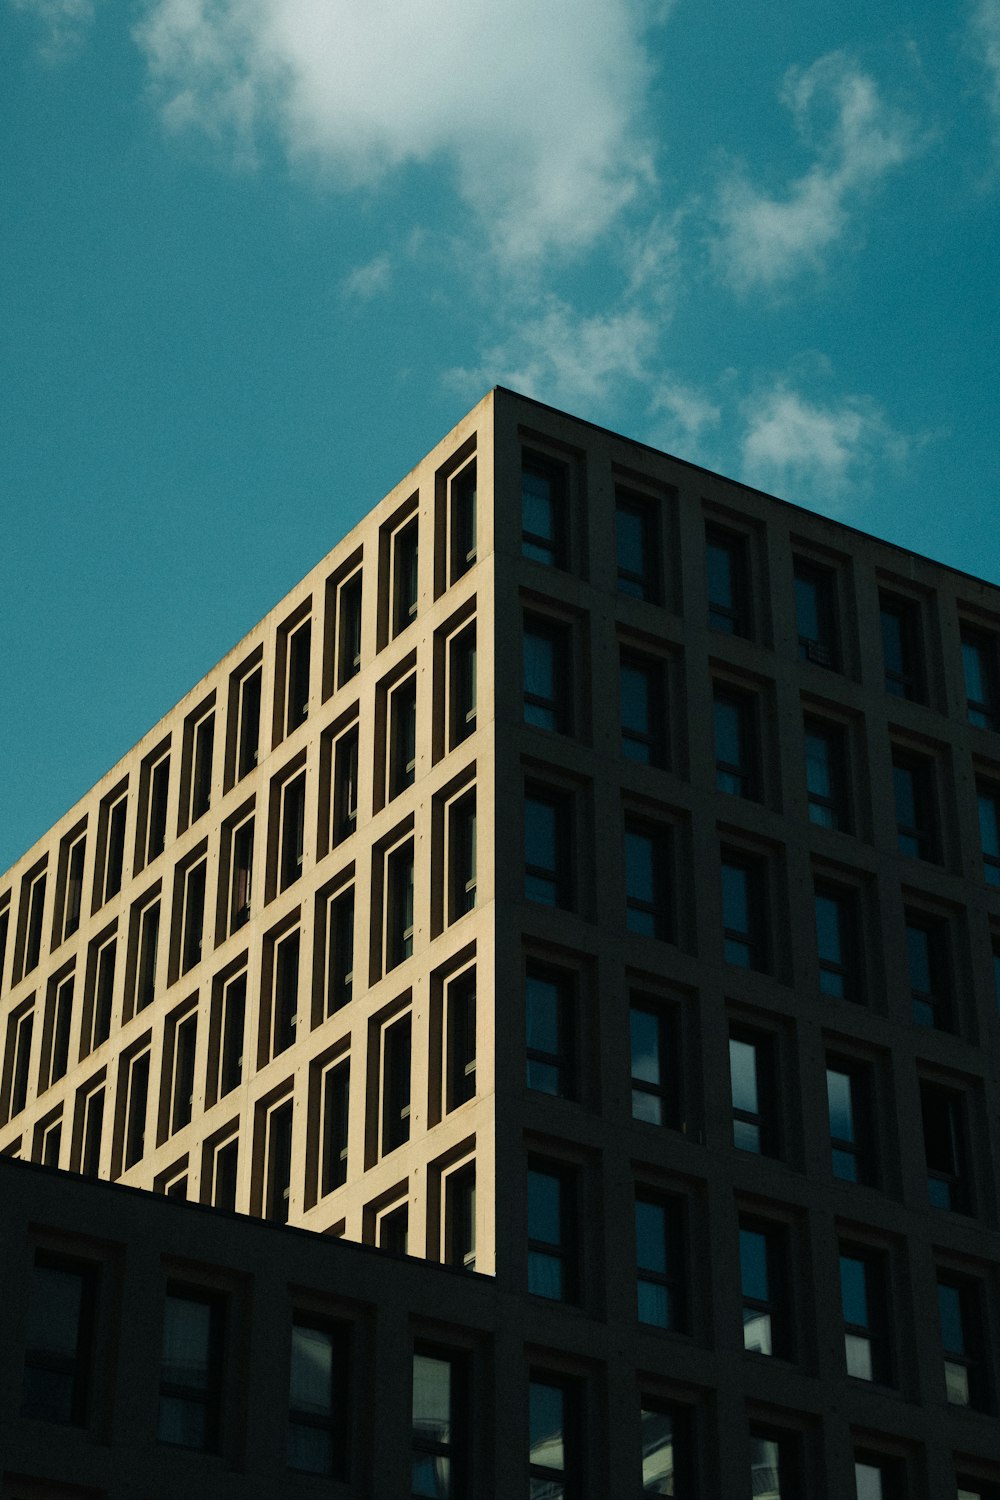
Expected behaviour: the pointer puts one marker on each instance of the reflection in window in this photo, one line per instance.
(640, 683)
(544, 503)
(552, 1249)
(636, 546)
(547, 682)
(653, 1047)
(547, 846)
(438, 1439)
(548, 1001)
(659, 1249)
(317, 1400)
(58, 1343)
(191, 1369)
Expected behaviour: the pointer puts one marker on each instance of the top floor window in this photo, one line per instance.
(404, 576)
(462, 519)
(979, 660)
(727, 567)
(544, 506)
(901, 646)
(816, 614)
(636, 546)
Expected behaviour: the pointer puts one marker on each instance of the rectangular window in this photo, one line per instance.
(555, 1454)
(285, 1004)
(636, 546)
(101, 993)
(641, 707)
(837, 943)
(72, 858)
(852, 1140)
(339, 970)
(667, 1450)
(199, 748)
(48, 1143)
(89, 1130)
(33, 904)
(547, 666)
(979, 661)
(191, 1368)
(753, 1081)
(399, 914)
(462, 855)
(548, 846)
(544, 510)
(659, 1254)
(916, 806)
(405, 578)
(461, 1040)
(349, 629)
(736, 755)
(863, 1300)
(17, 1068)
(943, 1114)
(460, 1218)
(728, 571)
(335, 1107)
(278, 1163)
(553, 1242)
(988, 802)
(392, 1230)
(928, 968)
(318, 1399)
(58, 1029)
(440, 1426)
(763, 1279)
(774, 1465)
(345, 786)
(4, 931)
(245, 701)
(550, 1031)
(462, 685)
(240, 874)
(816, 614)
(396, 1048)
(59, 1345)
(462, 520)
(193, 914)
(654, 1052)
(136, 1079)
(298, 661)
(960, 1313)
(147, 947)
(744, 912)
(154, 788)
(232, 1004)
(184, 1049)
(402, 735)
(648, 903)
(291, 834)
(111, 848)
(223, 1173)
(826, 775)
(902, 647)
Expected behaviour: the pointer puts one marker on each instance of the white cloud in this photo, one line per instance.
(822, 456)
(65, 22)
(534, 106)
(985, 41)
(688, 415)
(765, 239)
(365, 282)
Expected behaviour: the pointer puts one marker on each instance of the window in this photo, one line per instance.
(339, 973)
(744, 922)
(33, 905)
(402, 736)
(916, 812)
(318, 1398)
(147, 947)
(48, 1143)
(461, 685)
(460, 1218)
(928, 968)
(636, 549)
(462, 520)
(245, 696)
(73, 857)
(553, 1269)
(58, 1027)
(20, 1030)
(640, 685)
(647, 881)
(285, 1007)
(336, 1093)
(440, 1386)
(876, 1478)
(232, 1003)
(404, 576)
(344, 800)
(193, 914)
(548, 857)
(154, 787)
(297, 644)
(461, 815)
(223, 1173)
(659, 1255)
(960, 1312)
(774, 1465)
(667, 1450)
(754, 1091)
(292, 830)
(727, 567)
(736, 759)
(837, 943)
(396, 1049)
(101, 990)
(988, 799)
(864, 1300)
(549, 1028)
(547, 659)
(852, 1143)
(399, 914)
(135, 1075)
(199, 745)
(943, 1114)
(347, 612)
(654, 1049)
(555, 1458)
(544, 507)
(111, 847)
(240, 874)
(59, 1342)
(185, 1043)
(460, 1076)
(816, 614)
(826, 775)
(89, 1129)
(763, 1279)
(392, 1229)
(191, 1368)
(4, 930)
(901, 646)
(980, 666)
(278, 1163)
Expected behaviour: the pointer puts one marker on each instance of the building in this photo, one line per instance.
(585, 888)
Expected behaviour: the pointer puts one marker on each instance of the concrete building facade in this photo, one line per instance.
(587, 881)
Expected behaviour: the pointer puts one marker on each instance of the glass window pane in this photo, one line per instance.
(547, 1418)
(868, 1482)
(54, 1311)
(838, 1093)
(657, 1453)
(644, 1031)
(432, 1398)
(950, 1311)
(743, 1067)
(186, 1341)
(651, 1235)
(735, 898)
(544, 1207)
(753, 1264)
(854, 1290)
(312, 1371)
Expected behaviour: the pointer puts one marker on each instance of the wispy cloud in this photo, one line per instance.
(365, 282)
(533, 106)
(764, 238)
(65, 23)
(822, 456)
(984, 37)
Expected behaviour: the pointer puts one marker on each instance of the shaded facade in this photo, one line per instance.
(588, 877)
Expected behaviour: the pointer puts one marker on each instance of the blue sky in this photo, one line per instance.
(257, 256)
